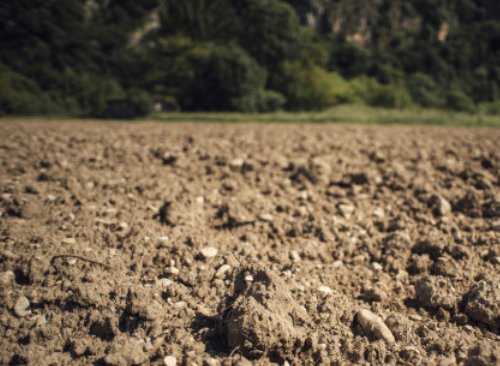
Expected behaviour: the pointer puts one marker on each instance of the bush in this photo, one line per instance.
(371, 92)
(309, 87)
(270, 101)
(457, 100)
(141, 102)
(423, 90)
(232, 81)
(490, 108)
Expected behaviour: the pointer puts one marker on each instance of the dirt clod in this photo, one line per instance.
(264, 319)
(483, 302)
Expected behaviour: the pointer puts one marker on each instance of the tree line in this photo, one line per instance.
(78, 56)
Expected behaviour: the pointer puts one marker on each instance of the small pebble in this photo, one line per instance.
(22, 307)
(325, 289)
(164, 282)
(237, 163)
(266, 217)
(209, 252)
(416, 317)
(412, 349)
(377, 266)
(371, 323)
(249, 278)
(180, 304)
(68, 241)
(164, 238)
(6, 278)
(200, 200)
(295, 256)
(169, 361)
(222, 270)
(337, 264)
(172, 270)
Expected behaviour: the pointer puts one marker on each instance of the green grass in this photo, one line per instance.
(359, 114)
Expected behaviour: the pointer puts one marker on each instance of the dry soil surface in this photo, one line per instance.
(220, 244)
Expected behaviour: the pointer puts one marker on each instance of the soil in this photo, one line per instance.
(222, 244)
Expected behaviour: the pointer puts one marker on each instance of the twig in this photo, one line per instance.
(78, 257)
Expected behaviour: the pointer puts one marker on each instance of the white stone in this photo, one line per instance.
(172, 270)
(371, 323)
(164, 238)
(164, 282)
(68, 241)
(209, 252)
(22, 307)
(6, 278)
(337, 264)
(249, 278)
(266, 217)
(221, 272)
(377, 266)
(237, 163)
(325, 289)
(200, 200)
(295, 256)
(169, 361)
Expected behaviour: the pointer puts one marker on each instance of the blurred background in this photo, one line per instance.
(128, 58)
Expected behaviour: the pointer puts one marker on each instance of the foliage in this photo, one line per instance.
(75, 57)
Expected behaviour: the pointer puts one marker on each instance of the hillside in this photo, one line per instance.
(78, 56)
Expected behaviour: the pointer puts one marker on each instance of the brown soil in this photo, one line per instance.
(218, 244)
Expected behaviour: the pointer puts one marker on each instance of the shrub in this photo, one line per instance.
(309, 87)
(270, 101)
(423, 90)
(371, 92)
(232, 81)
(141, 102)
(457, 100)
(491, 108)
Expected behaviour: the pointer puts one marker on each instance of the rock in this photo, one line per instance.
(266, 217)
(164, 282)
(209, 252)
(483, 302)
(169, 361)
(68, 241)
(22, 307)
(6, 278)
(325, 289)
(172, 270)
(440, 206)
(295, 256)
(372, 324)
(437, 292)
(484, 354)
(221, 271)
(125, 352)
